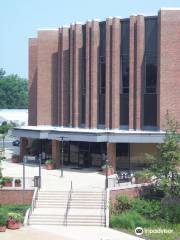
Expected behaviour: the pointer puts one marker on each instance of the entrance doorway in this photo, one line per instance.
(84, 154)
(122, 156)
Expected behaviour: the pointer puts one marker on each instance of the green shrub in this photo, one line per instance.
(17, 217)
(129, 220)
(14, 208)
(3, 219)
(150, 209)
(143, 174)
(123, 203)
(7, 179)
(49, 161)
(170, 209)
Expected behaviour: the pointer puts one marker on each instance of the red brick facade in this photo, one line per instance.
(56, 75)
(169, 64)
(54, 70)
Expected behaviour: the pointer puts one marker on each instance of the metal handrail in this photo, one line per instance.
(33, 204)
(106, 208)
(68, 204)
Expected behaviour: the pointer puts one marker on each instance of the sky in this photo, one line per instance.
(20, 19)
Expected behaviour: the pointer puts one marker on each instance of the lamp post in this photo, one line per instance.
(62, 155)
(105, 160)
(106, 173)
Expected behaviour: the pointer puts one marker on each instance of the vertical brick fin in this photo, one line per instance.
(32, 109)
(88, 30)
(115, 95)
(47, 75)
(169, 64)
(23, 145)
(111, 154)
(108, 72)
(132, 73)
(139, 69)
(64, 76)
(71, 72)
(56, 152)
(76, 84)
(94, 73)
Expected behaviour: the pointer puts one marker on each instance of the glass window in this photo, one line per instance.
(151, 34)
(150, 74)
(102, 75)
(82, 76)
(125, 73)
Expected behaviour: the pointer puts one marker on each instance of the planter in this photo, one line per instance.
(49, 166)
(142, 180)
(13, 225)
(15, 159)
(110, 171)
(2, 228)
(7, 184)
(17, 184)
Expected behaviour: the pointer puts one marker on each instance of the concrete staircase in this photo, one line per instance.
(85, 208)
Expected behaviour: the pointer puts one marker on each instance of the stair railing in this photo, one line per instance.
(33, 204)
(106, 208)
(68, 205)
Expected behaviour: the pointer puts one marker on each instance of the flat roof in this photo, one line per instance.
(89, 135)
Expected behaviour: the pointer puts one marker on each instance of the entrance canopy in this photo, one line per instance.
(89, 135)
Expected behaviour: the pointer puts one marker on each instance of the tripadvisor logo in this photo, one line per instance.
(139, 231)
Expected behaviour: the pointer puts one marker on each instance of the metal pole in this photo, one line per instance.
(23, 173)
(106, 173)
(62, 156)
(40, 161)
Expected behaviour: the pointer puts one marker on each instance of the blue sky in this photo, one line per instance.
(20, 19)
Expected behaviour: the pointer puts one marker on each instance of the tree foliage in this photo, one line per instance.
(165, 166)
(13, 91)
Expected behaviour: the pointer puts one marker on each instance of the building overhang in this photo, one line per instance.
(89, 135)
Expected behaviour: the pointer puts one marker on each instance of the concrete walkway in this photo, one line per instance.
(87, 233)
(28, 233)
(82, 179)
(65, 233)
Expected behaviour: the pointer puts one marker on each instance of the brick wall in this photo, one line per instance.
(169, 64)
(16, 196)
(47, 76)
(32, 108)
(54, 62)
(129, 192)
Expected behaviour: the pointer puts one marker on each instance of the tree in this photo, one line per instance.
(13, 91)
(165, 166)
(2, 73)
(4, 130)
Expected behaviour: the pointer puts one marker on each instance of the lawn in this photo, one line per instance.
(151, 215)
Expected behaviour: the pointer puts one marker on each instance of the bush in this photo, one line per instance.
(123, 203)
(7, 179)
(170, 209)
(49, 161)
(3, 219)
(129, 220)
(149, 209)
(16, 217)
(143, 174)
(21, 209)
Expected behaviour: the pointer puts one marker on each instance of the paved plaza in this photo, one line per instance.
(65, 233)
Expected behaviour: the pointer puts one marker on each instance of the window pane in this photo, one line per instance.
(151, 74)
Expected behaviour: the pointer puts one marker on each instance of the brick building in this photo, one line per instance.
(105, 87)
